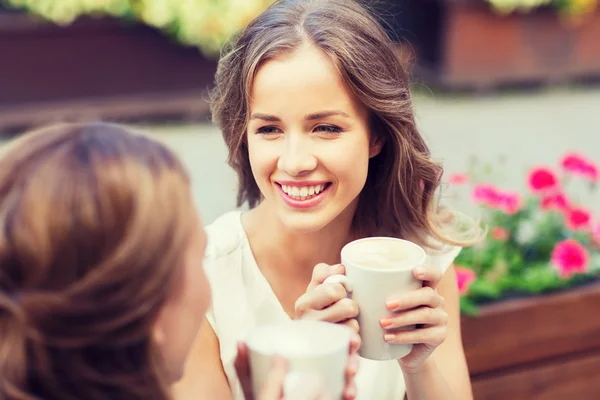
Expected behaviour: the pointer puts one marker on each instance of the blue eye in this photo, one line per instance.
(268, 130)
(328, 129)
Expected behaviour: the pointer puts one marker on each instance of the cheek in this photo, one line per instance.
(197, 292)
(349, 163)
(263, 160)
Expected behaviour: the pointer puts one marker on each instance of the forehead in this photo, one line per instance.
(304, 80)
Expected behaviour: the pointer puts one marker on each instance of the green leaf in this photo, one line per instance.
(468, 307)
(484, 289)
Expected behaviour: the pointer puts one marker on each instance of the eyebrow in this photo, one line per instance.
(308, 117)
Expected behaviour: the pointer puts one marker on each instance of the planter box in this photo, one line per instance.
(464, 44)
(539, 348)
(96, 68)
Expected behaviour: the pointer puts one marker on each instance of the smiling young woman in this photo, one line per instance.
(316, 111)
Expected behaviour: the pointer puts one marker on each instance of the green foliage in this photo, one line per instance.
(206, 24)
(528, 250)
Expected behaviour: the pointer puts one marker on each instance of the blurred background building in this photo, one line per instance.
(506, 93)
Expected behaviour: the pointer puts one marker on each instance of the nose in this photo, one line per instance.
(297, 158)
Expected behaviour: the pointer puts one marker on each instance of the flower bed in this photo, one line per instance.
(206, 24)
(569, 9)
(473, 44)
(542, 242)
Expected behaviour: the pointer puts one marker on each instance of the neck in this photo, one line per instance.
(301, 250)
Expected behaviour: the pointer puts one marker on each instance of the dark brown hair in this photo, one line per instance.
(94, 222)
(399, 196)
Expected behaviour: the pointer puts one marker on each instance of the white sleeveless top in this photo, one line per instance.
(242, 298)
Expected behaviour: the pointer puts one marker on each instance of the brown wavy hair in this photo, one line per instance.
(94, 222)
(399, 198)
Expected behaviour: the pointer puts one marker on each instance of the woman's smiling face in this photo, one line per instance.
(308, 140)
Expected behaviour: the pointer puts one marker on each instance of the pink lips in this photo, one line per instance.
(302, 204)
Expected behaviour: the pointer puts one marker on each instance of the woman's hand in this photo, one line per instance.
(273, 388)
(327, 301)
(423, 307)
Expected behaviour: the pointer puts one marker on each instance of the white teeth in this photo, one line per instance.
(301, 193)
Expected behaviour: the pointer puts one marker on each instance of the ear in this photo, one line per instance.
(158, 334)
(375, 146)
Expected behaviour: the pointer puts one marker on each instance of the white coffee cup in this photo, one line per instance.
(314, 350)
(378, 268)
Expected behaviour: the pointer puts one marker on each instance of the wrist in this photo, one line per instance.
(423, 368)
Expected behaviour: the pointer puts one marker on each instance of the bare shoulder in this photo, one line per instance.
(204, 376)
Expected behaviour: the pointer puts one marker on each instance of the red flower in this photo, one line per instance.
(556, 201)
(499, 233)
(458, 179)
(465, 277)
(578, 219)
(542, 179)
(577, 164)
(569, 257)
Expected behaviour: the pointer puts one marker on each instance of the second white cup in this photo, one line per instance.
(315, 351)
(376, 269)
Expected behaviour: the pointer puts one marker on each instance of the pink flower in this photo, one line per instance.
(458, 179)
(556, 201)
(488, 195)
(465, 277)
(569, 257)
(508, 202)
(499, 233)
(578, 219)
(484, 194)
(542, 179)
(577, 164)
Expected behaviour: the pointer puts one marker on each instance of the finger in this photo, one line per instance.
(421, 315)
(426, 296)
(355, 341)
(431, 336)
(273, 387)
(323, 271)
(242, 368)
(431, 275)
(340, 311)
(352, 366)
(350, 391)
(352, 324)
(319, 298)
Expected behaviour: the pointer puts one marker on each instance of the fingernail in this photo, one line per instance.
(334, 268)
(392, 305)
(388, 337)
(385, 322)
(420, 271)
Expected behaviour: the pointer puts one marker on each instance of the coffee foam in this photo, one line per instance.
(382, 253)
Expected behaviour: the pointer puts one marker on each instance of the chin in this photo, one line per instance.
(304, 222)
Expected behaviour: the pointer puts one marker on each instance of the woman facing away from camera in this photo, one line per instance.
(102, 289)
(316, 112)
